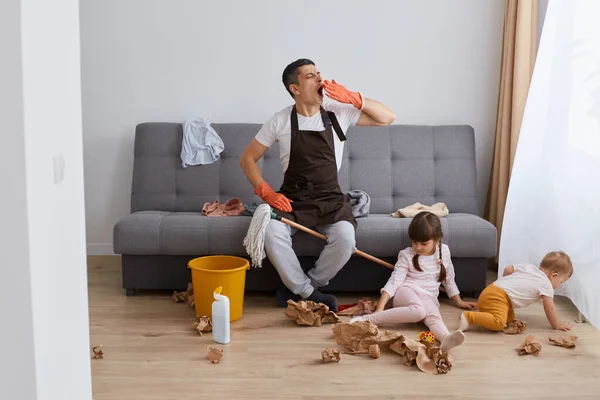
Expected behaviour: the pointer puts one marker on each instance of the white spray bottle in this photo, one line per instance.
(220, 317)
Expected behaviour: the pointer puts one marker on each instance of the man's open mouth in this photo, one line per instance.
(320, 91)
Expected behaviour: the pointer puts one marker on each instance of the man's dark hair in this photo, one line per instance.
(290, 73)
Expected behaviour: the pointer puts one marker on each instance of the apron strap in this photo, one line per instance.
(294, 120)
(336, 125)
(329, 119)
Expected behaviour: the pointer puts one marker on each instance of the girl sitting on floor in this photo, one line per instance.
(415, 282)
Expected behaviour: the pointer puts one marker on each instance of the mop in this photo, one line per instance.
(254, 242)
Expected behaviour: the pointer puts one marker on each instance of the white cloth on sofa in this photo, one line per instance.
(201, 144)
(438, 209)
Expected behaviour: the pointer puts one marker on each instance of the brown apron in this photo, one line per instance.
(311, 179)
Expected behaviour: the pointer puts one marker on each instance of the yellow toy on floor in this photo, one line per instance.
(427, 337)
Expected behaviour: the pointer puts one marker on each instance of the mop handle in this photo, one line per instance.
(319, 235)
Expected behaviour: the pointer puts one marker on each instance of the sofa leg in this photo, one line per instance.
(130, 292)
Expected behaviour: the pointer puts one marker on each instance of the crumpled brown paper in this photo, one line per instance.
(364, 338)
(215, 355)
(373, 352)
(364, 306)
(190, 300)
(98, 353)
(429, 359)
(515, 327)
(408, 349)
(310, 313)
(433, 360)
(360, 335)
(563, 341)
(187, 296)
(329, 355)
(530, 346)
(203, 325)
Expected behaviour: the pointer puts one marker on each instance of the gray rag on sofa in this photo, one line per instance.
(360, 201)
(250, 208)
(201, 144)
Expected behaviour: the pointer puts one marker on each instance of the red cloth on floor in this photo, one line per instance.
(346, 306)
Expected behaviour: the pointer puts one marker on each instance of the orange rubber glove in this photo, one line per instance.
(274, 199)
(339, 93)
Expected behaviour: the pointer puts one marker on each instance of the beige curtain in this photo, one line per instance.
(518, 58)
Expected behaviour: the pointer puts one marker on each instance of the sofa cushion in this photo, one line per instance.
(467, 235)
(180, 233)
(138, 233)
(189, 233)
(399, 165)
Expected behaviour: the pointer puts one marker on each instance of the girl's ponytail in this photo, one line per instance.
(442, 277)
(416, 263)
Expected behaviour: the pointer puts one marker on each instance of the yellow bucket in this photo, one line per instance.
(210, 272)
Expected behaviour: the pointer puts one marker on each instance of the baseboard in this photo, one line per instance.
(100, 249)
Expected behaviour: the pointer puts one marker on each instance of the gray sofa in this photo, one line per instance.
(396, 165)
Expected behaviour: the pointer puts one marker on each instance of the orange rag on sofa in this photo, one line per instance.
(230, 208)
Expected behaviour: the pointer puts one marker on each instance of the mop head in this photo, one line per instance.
(254, 242)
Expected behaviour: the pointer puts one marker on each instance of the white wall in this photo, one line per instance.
(17, 362)
(43, 301)
(431, 62)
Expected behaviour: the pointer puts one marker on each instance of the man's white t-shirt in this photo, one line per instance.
(525, 285)
(279, 129)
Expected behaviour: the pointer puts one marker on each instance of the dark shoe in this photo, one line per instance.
(283, 294)
(327, 299)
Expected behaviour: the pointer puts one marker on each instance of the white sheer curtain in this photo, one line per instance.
(554, 194)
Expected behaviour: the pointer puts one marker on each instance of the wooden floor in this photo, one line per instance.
(151, 352)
